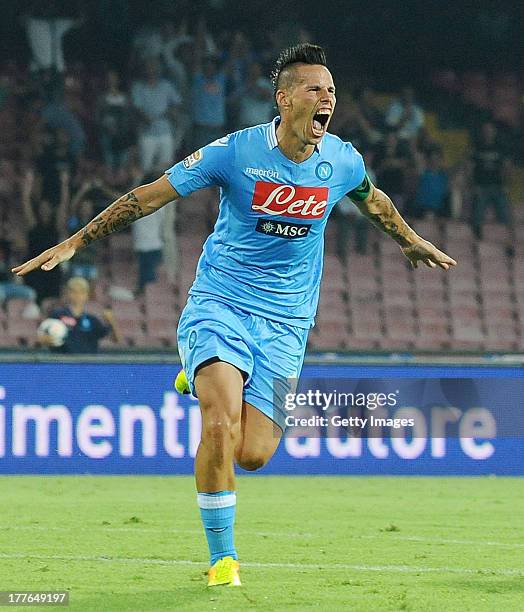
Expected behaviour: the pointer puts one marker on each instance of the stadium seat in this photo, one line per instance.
(334, 311)
(496, 233)
(367, 328)
(491, 252)
(430, 230)
(498, 311)
(431, 340)
(331, 337)
(333, 282)
(432, 314)
(162, 330)
(364, 310)
(467, 337)
(24, 330)
(354, 343)
(458, 232)
(400, 330)
(501, 338)
(15, 308)
(126, 311)
(460, 300)
(402, 343)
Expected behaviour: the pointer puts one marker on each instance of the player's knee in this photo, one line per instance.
(219, 426)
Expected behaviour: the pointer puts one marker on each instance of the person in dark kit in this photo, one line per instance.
(10, 288)
(491, 167)
(85, 330)
(45, 223)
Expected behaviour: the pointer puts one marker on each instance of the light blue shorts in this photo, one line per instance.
(264, 350)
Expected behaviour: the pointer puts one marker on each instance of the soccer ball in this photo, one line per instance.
(55, 329)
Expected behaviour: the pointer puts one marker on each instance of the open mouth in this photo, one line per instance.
(320, 120)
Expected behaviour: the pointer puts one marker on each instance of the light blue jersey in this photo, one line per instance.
(265, 254)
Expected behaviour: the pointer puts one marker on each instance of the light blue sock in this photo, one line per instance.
(218, 517)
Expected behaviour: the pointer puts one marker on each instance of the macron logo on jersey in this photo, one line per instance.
(263, 173)
(290, 201)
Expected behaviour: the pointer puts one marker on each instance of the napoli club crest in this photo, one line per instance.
(324, 170)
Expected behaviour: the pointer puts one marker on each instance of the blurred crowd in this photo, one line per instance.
(75, 136)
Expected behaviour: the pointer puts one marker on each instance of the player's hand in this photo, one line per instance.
(47, 260)
(47, 340)
(108, 315)
(425, 252)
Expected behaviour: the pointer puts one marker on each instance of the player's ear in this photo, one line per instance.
(282, 98)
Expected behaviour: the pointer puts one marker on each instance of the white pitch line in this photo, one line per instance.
(448, 541)
(404, 569)
(267, 534)
(263, 534)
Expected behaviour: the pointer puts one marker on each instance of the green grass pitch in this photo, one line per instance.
(305, 543)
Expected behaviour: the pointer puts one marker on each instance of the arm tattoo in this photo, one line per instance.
(113, 219)
(380, 210)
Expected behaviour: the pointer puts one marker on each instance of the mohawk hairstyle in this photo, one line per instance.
(304, 53)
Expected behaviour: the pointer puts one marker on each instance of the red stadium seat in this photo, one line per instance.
(471, 338)
(431, 341)
(368, 329)
(16, 307)
(501, 338)
(24, 330)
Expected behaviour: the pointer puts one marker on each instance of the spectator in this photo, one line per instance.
(348, 218)
(208, 93)
(54, 160)
(391, 162)
(256, 99)
(170, 43)
(84, 206)
(45, 33)
(174, 44)
(405, 116)
(45, 224)
(10, 285)
(371, 112)
(350, 124)
(163, 40)
(177, 57)
(239, 59)
(155, 101)
(115, 123)
(491, 167)
(149, 240)
(85, 330)
(58, 116)
(433, 188)
(208, 102)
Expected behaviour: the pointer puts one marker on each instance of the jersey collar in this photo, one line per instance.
(271, 135)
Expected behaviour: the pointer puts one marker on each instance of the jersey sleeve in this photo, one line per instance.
(356, 168)
(206, 167)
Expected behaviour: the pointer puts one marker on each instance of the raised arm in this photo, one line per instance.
(138, 203)
(27, 190)
(64, 204)
(380, 210)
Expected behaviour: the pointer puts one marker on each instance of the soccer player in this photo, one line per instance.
(256, 290)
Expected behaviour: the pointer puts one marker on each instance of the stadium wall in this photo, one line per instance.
(125, 418)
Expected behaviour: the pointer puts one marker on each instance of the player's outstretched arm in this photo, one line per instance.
(380, 210)
(138, 203)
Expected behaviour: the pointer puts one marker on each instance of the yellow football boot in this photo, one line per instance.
(224, 572)
(181, 384)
